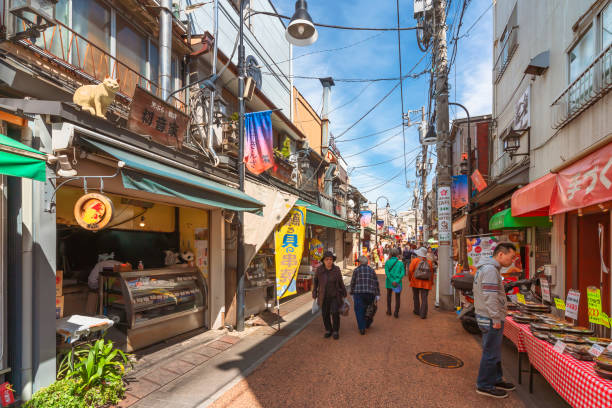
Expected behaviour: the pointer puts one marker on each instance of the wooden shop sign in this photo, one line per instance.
(93, 211)
(151, 116)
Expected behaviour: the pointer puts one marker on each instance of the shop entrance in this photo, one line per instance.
(584, 260)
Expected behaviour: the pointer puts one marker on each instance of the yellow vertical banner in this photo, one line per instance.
(594, 306)
(289, 246)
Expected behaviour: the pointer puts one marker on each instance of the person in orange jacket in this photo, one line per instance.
(421, 281)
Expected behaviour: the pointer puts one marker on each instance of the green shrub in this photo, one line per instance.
(64, 393)
(94, 364)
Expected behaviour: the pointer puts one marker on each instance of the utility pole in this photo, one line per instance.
(240, 262)
(424, 171)
(444, 173)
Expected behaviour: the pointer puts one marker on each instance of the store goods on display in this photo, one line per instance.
(568, 338)
(602, 341)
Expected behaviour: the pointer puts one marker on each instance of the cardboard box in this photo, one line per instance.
(59, 281)
(59, 307)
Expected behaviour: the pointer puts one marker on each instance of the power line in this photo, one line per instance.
(352, 100)
(338, 27)
(413, 76)
(369, 135)
(399, 50)
(467, 33)
(372, 147)
(379, 163)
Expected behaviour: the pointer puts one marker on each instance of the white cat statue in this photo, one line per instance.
(95, 99)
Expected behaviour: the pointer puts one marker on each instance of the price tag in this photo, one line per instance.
(559, 347)
(545, 290)
(596, 350)
(520, 298)
(594, 305)
(559, 304)
(571, 304)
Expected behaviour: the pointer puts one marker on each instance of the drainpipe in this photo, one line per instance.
(165, 47)
(211, 107)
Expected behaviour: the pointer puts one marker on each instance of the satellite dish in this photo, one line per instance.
(252, 68)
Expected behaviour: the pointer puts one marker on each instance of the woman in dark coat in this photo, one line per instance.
(329, 290)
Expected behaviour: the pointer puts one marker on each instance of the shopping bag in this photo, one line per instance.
(371, 310)
(346, 306)
(315, 306)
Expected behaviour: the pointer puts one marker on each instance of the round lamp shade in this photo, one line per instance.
(301, 31)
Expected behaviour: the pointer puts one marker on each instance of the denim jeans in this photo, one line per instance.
(361, 302)
(490, 372)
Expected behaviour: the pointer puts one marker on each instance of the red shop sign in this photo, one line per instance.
(586, 182)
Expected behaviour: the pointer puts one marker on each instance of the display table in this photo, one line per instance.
(574, 380)
(513, 331)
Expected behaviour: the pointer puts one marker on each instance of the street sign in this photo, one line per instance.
(571, 304)
(444, 215)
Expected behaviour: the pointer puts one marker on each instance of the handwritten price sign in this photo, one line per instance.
(559, 304)
(545, 290)
(520, 298)
(571, 304)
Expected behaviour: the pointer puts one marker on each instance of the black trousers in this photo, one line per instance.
(331, 315)
(397, 301)
(420, 305)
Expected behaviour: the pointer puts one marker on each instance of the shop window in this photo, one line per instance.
(92, 21)
(606, 26)
(508, 42)
(132, 53)
(153, 65)
(581, 56)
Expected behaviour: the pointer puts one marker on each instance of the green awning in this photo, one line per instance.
(317, 216)
(505, 220)
(19, 160)
(157, 178)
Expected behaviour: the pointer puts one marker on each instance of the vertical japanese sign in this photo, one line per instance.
(289, 245)
(571, 304)
(478, 180)
(444, 215)
(366, 218)
(586, 182)
(153, 117)
(258, 146)
(459, 191)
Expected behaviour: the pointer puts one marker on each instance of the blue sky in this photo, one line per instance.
(374, 56)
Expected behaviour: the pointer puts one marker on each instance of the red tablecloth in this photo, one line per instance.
(573, 379)
(512, 330)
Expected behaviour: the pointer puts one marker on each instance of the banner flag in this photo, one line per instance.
(380, 224)
(289, 245)
(366, 218)
(391, 230)
(258, 143)
(459, 191)
(478, 180)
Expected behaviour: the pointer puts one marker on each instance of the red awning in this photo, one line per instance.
(534, 199)
(584, 183)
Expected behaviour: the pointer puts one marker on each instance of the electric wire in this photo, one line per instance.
(368, 135)
(379, 163)
(338, 27)
(351, 80)
(399, 50)
(375, 146)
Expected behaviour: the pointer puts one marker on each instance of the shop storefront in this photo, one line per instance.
(135, 239)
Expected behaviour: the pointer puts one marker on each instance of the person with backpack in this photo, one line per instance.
(421, 273)
(394, 270)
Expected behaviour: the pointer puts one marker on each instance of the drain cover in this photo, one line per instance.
(441, 360)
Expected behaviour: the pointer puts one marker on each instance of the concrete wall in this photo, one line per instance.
(265, 40)
(546, 25)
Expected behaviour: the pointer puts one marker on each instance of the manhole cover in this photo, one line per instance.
(439, 359)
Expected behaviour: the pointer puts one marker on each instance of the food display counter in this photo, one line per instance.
(155, 304)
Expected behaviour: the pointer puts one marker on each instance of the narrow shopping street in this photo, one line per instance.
(379, 369)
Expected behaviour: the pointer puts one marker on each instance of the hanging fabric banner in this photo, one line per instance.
(366, 218)
(380, 224)
(258, 144)
(478, 180)
(289, 245)
(391, 230)
(459, 191)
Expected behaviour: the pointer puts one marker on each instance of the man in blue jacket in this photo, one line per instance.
(490, 305)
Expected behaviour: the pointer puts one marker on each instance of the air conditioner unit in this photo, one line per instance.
(32, 18)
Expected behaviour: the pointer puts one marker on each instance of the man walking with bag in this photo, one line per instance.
(365, 291)
(421, 272)
(490, 305)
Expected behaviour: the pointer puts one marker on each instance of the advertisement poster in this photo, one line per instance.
(380, 224)
(459, 191)
(479, 181)
(483, 247)
(258, 149)
(289, 246)
(201, 250)
(366, 218)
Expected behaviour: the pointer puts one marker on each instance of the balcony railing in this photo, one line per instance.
(75, 53)
(587, 89)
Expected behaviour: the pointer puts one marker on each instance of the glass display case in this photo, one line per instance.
(155, 304)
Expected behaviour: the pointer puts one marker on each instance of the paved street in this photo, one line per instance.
(376, 370)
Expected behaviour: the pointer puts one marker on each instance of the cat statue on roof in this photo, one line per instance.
(95, 99)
